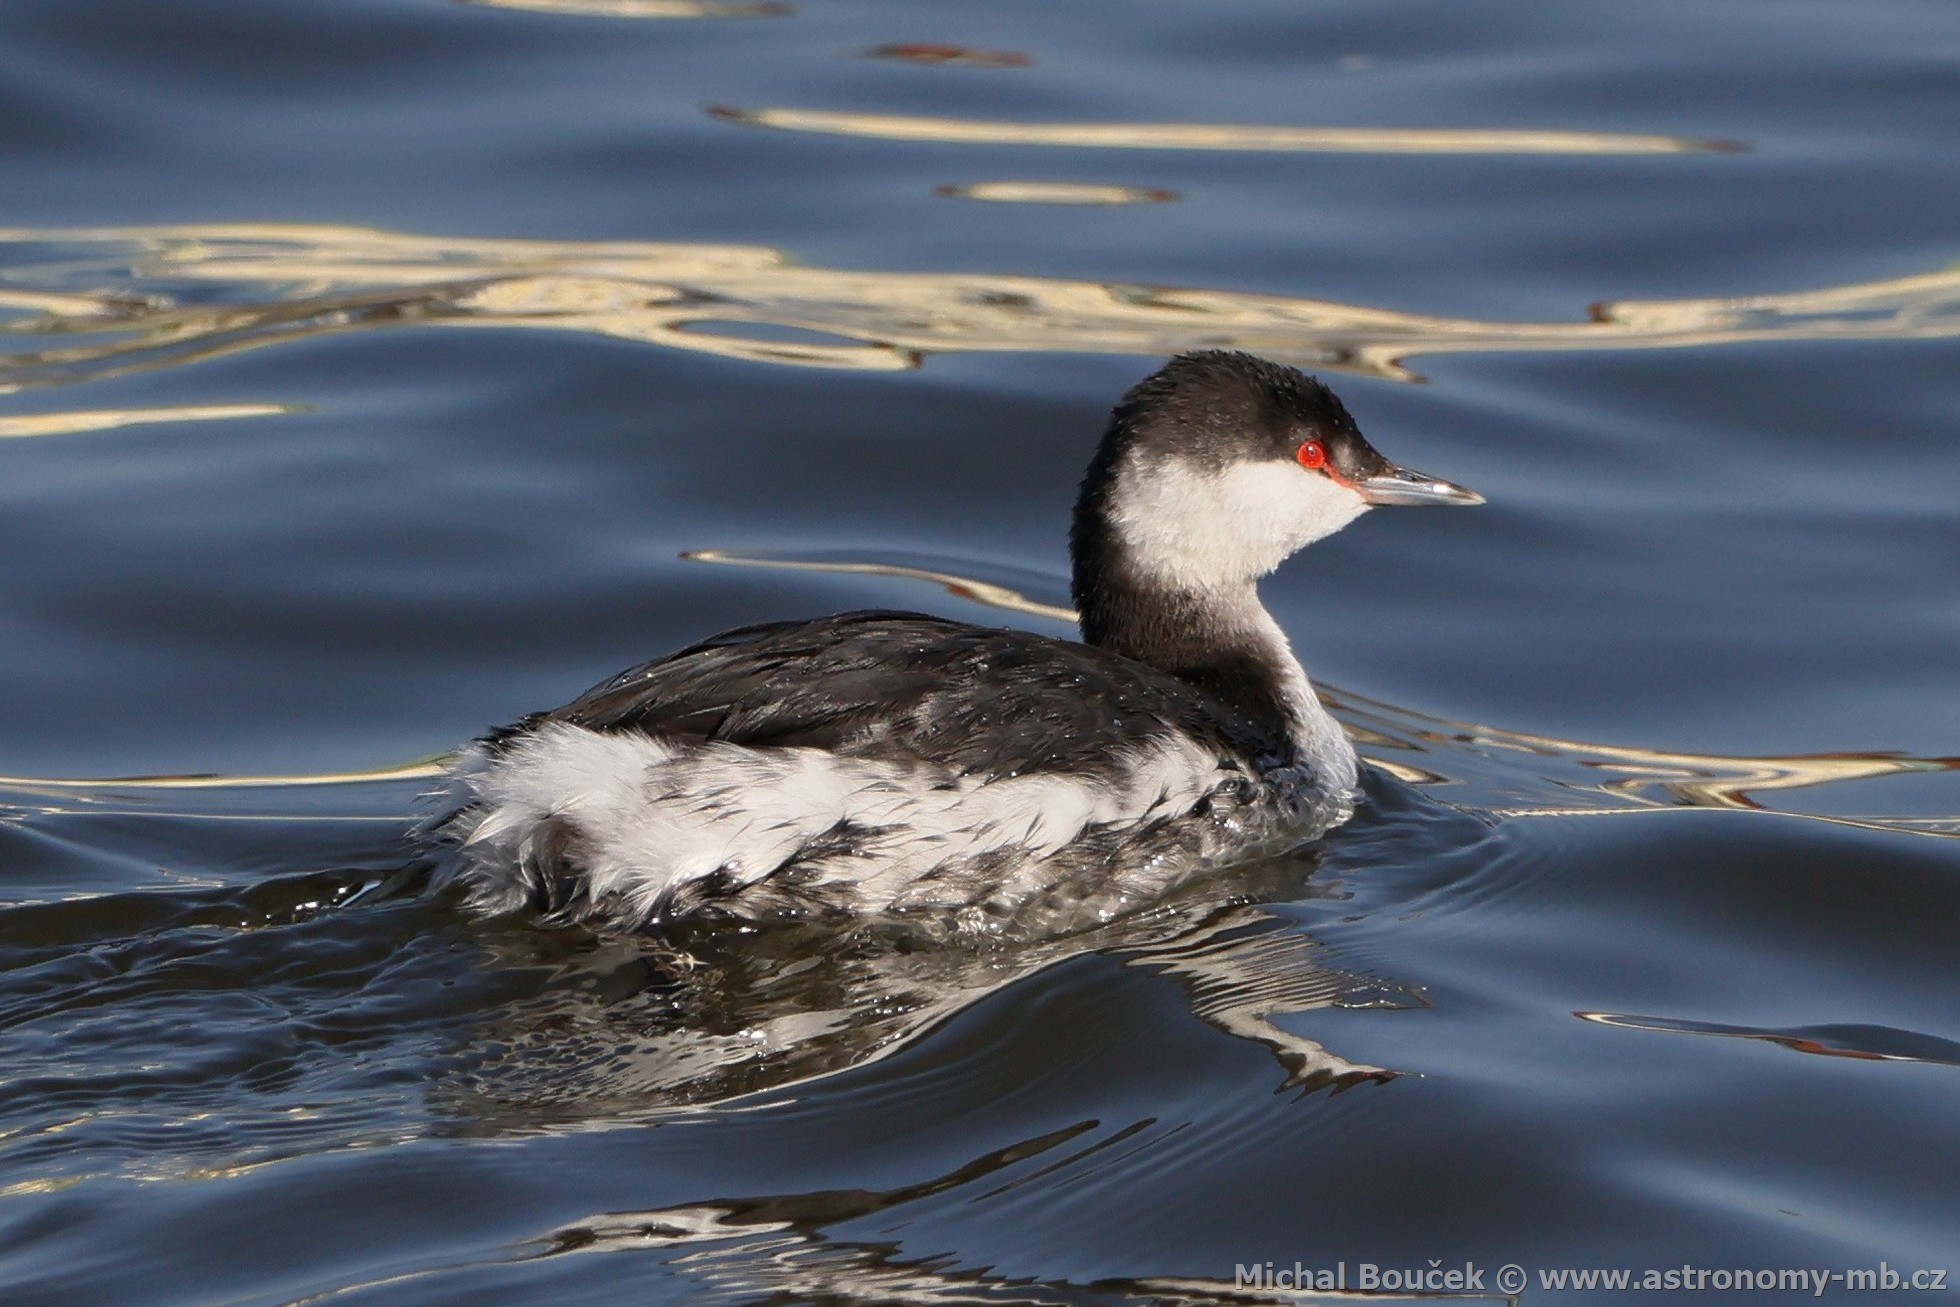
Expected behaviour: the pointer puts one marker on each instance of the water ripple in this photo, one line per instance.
(179, 295)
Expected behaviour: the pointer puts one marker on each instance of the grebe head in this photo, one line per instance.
(1219, 465)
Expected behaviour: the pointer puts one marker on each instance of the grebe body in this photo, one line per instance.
(886, 763)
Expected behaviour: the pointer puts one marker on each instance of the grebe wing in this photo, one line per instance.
(978, 700)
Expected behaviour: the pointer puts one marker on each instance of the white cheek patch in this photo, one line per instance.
(654, 814)
(1227, 527)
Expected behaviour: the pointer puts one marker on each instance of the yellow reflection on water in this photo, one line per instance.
(1218, 136)
(1012, 192)
(420, 769)
(963, 587)
(73, 422)
(65, 306)
(283, 283)
(645, 8)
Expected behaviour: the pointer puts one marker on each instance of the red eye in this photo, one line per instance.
(1312, 455)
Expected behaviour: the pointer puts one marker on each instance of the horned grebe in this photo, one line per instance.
(895, 763)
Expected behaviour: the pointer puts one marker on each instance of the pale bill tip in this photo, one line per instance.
(1400, 486)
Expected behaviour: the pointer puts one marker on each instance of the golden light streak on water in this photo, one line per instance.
(420, 769)
(1018, 192)
(643, 8)
(71, 423)
(1217, 136)
(1002, 597)
(288, 283)
(67, 306)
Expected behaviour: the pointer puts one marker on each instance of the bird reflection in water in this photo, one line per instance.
(704, 1015)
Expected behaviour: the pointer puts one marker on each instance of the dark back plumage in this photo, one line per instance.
(980, 701)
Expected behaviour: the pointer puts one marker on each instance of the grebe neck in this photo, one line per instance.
(1225, 643)
(1215, 635)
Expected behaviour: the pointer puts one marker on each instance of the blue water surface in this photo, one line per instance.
(1640, 954)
